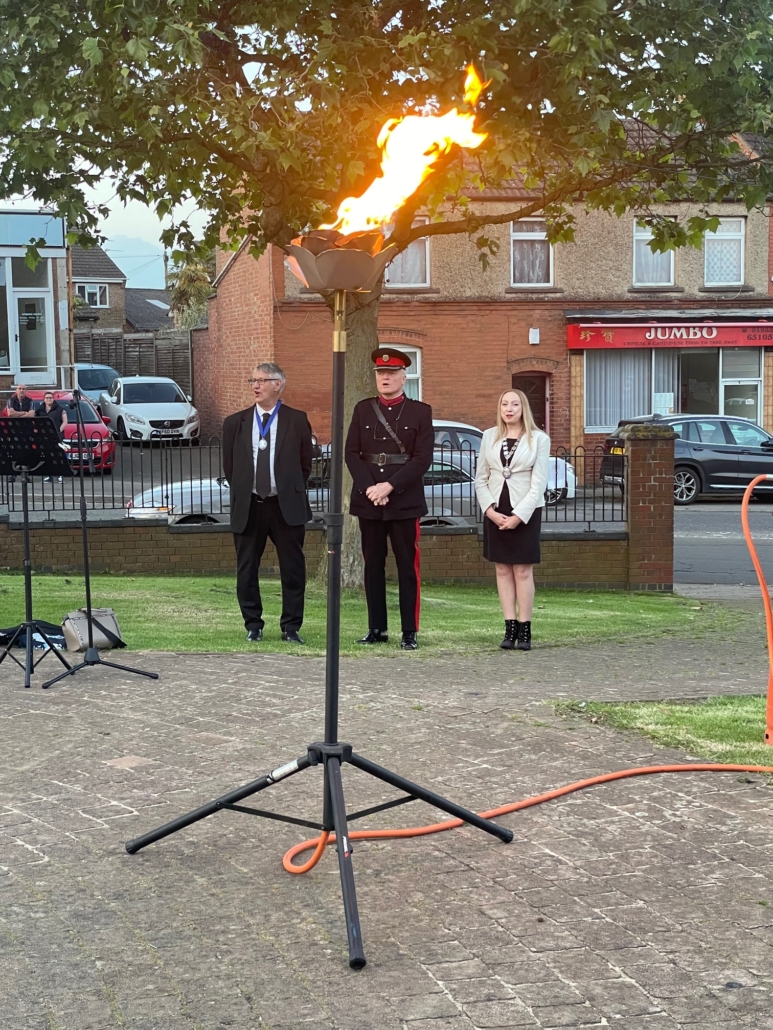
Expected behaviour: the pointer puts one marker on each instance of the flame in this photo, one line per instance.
(410, 147)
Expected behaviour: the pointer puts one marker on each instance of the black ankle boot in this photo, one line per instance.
(511, 634)
(524, 636)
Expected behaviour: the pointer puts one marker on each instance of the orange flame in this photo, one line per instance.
(410, 148)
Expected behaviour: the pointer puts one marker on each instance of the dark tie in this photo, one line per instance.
(263, 466)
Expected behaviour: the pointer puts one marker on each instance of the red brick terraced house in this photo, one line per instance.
(594, 331)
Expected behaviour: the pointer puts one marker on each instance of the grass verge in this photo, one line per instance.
(720, 729)
(198, 613)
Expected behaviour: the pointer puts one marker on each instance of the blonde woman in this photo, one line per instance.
(510, 484)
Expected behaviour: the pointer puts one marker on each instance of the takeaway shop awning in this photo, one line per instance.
(623, 335)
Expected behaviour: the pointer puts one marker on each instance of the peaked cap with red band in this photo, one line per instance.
(388, 357)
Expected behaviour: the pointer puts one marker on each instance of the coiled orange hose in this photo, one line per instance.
(325, 838)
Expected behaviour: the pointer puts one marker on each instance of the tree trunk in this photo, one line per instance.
(361, 339)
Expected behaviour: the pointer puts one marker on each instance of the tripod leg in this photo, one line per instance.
(53, 648)
(343, 847)
(29, 667)
(70, 671)
(8, 646)
(433, 799)
(125, 668)
(231, 798)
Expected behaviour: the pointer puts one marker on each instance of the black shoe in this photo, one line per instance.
(511, 634)
(291, 636)
(409, 642)
(255, 634)
(524, 636)
(374, 636)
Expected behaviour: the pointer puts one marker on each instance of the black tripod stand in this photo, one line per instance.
(330, 753)
(30, 447)
(91, 657)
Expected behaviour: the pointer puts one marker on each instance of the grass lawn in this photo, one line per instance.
(721, 729)
(197, 613)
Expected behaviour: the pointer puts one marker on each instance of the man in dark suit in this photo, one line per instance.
(267, 452)
(388, 449)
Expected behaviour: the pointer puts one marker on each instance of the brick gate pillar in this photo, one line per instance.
(649, 491)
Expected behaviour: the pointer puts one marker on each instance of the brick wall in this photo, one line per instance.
(650, 495)
(576, 560)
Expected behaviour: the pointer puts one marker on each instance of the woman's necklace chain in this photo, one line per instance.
(510, 445)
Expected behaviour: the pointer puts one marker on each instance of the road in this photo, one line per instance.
(709, 546)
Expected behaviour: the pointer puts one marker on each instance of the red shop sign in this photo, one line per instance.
(618, 336)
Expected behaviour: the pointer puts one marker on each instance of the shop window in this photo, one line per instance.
(413, 374)
(618, 385)
(740, 363)
(649, 268)
(95, 294)
(26, 278)
(531, 254)
(411, 266)
(724, 253)
(699, 381)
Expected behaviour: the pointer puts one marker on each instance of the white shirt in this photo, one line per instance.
(271, 446)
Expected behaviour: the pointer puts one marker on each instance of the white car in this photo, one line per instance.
(149, 408)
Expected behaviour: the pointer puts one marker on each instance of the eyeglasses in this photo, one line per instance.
(260, 382)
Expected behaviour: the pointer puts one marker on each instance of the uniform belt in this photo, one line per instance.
(386, 459)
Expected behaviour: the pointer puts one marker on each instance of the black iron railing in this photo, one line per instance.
(175, 479)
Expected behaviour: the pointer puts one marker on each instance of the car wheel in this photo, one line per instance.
(123, 436)
(555, 495)
(196, 520)
(686, 486)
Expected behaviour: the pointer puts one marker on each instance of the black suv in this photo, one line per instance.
(712, 454)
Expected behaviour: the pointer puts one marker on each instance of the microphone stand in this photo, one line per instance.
(91, 656)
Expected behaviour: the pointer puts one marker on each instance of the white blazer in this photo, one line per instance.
(529, 473)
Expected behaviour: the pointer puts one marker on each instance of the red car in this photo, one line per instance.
(99, 437)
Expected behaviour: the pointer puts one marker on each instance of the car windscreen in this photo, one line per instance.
(152, 393)
(96, 378)
(89, 414)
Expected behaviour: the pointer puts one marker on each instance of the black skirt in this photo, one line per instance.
(519, 546)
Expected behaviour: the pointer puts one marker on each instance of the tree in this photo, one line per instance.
(267, 113)
(190, 282)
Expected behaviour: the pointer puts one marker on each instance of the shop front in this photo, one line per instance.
(632, 369)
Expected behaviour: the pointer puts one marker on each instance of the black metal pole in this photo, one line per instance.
(27, 577)
(344, 849)
(92, 655)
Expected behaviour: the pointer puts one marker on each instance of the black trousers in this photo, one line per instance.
(403, 534)
(266, 522)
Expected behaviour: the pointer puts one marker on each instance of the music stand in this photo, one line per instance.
(92, 656)
(31, 447)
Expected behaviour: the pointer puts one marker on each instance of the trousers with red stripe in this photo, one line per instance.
(403, 535)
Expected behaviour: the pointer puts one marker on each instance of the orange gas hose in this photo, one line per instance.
(325, 838)
(319, 843)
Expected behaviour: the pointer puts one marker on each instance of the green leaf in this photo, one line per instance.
(91, 51)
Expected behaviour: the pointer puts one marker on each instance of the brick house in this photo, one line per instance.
(594, 331)
(101, 285)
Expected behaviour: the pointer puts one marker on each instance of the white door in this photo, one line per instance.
(34, 338)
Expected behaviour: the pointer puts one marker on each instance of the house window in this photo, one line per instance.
(413, 374)
(649, 268)
(95, 294)
(411, 266)
(724, 253)
(531, 254)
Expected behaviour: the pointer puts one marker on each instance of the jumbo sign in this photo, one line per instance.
(600, 336)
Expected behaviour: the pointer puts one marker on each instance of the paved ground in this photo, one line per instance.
(645, 905)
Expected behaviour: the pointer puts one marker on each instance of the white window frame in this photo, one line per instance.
(515, 235)
(82, 290)
(709, 237)
(414, 372)
(419, 220)
(643, 234)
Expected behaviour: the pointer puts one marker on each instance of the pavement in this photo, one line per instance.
(641, 905)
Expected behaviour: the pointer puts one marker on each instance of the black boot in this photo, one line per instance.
(524, 636)
(374, 636)
(511, 634)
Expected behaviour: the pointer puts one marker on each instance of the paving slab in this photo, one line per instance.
(643, 905)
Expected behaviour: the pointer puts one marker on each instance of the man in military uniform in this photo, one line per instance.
(388, 449)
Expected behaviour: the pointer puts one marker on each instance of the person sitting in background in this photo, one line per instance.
(52, 409)
(19, 404)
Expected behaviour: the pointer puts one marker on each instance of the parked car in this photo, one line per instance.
(449, 488)
(93, 379)
(99, 439)
(456, 438)
(713, 454)
(149, 408)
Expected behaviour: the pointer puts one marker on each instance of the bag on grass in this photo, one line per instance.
(106, 631)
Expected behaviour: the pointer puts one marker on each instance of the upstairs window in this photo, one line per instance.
(649, 268)
(724, 254)
(95, 294)
(412, 374)
(531, 254)
(411, 266)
